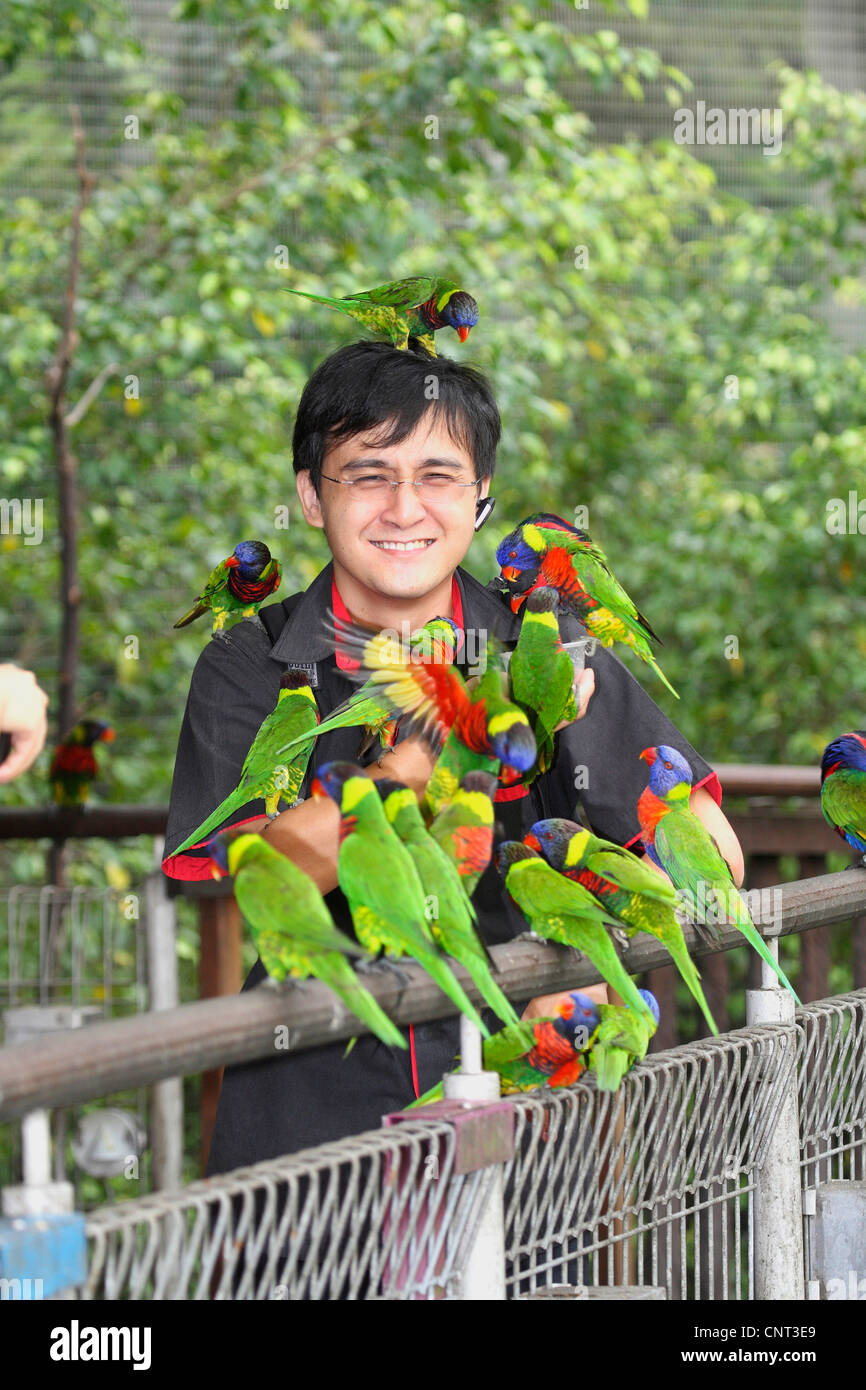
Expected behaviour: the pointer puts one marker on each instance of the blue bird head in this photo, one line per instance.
(578, 1011)
(514, 555)
(847, 751)
(251, 557)
(667, 767)
(552, 836)
(515, 746)
(460, 312)
(330, 777)
(649, 999)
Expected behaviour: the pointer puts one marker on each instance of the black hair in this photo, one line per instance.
(362, 387)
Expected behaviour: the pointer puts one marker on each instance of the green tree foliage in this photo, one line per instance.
(685, 388)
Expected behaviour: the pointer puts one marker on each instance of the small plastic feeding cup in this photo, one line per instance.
(578, 651)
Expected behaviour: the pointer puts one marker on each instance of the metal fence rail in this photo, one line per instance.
(381, 1215)
(653, 1186)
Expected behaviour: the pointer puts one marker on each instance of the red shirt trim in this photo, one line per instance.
(187, 866)
(510, 793)
(713, 786)
(415, 1085)
(342, 614)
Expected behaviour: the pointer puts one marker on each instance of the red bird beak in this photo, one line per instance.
(216, 872)
(649, 755)
(516, 601)
(316, 788)
(107, 736)
(232, 562)
(510, 573)
(463, 333)
(532, 842)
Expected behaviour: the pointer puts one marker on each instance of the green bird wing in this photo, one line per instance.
(689, 853)
(510, 1043)
(400, 294)
(629, 872)
(378, 876)
(277, 897)
(548, 893)
(843, 801)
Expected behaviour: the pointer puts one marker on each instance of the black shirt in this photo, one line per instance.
(280, 1105)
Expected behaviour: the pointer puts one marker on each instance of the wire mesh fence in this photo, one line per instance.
(652, 1186)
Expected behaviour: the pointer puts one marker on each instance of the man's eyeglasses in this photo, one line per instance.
(429, 487)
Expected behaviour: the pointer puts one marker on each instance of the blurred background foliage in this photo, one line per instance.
(695, 376)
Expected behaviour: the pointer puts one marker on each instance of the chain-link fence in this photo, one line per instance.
(653, 1186)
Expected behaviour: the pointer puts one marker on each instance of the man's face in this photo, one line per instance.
(365, 533)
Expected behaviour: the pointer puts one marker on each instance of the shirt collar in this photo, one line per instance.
(305, 636)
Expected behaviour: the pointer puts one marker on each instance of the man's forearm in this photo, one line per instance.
(309, 835)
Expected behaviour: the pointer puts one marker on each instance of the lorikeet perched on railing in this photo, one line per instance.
(292, 928)
(843, 788)
(538, 1051)
(565, 558)
(558, 909)
(239, 584)
(621, 1039)
(380, 881)
(73, 766)
(268, 774)
(453, 919)
(404, 309)
(679, 842)
(640, 898)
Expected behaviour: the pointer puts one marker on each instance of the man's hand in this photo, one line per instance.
(23, 714)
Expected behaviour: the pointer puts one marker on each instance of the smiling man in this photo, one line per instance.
(394, 454)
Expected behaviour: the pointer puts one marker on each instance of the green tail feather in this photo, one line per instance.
(609, 1065)
(450, 985)
(650, 659)
(754, 938)
(686, 966)
(232, 802)
(616, 975)
(489, 989)
(194, 612)
(336, 972)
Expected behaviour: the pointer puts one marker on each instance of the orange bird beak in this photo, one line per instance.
(463, 333)
(107, 736)
(516, 600)
(649, 755)
(215, 872)
(232, 562)
(510, 573)
(532, 842)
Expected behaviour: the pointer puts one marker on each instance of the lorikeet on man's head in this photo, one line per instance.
(416, 307)
(565, 558)
(679, 842)
(843, 788)
(239, 584)
(73, 765)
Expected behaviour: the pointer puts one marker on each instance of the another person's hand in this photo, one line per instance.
(23, 715)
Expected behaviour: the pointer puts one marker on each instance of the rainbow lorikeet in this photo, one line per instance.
(73, 764)
(380, 881)
(410, 681)
(292, 928)
(452, 920)
(239, 584)
(416, 307)
(560, 910)
(678, 842)
(621, 1039)
(541, 672)
(537, 1051)
(464, 827)
(488, 731)
(843, 788)
(266, 773)
(565, 558)
(617, 879)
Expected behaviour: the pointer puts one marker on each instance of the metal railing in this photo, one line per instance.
(668, 1185)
